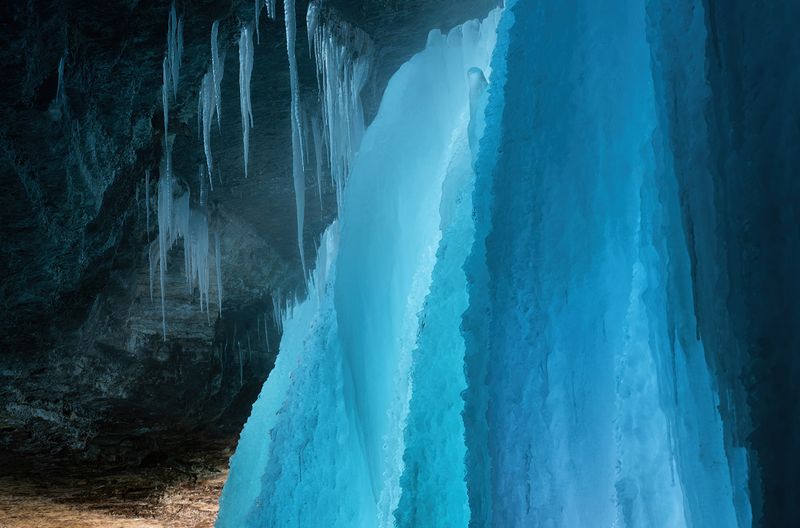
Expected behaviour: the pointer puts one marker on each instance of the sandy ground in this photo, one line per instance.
(167, 496)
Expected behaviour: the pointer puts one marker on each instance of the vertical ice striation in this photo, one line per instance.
(245, 74)
(270, 8)
(343, 55)
(298, 176)
(582, 347)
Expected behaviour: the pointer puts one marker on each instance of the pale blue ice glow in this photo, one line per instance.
(500, 328)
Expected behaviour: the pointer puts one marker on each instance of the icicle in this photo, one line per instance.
(174, 48)
(316, 132)
(180, 228)
(342, 55)
(305, 130)
(176, 67)
(245, 74)
(196, 250)
(312, 21)
(297, 154)
(270, 8)
(61, 97)
(257, 20)
(207, 115)
(200, 111)
(164, 226)
(218, 270)
(218, 69)
(176, 219)
(165, 95)
(201, 182)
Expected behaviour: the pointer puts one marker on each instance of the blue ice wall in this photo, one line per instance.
(727, 75)
(507, 326)
(601, 409)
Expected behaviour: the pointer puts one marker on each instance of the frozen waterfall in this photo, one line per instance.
(499, 328)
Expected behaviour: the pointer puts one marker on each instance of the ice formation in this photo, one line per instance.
(171, 66)
(177, 219)
(256, 20)
(245, 74)
(342, 54)
(174, 49)
(165, 86)
(298, 176)
(361, 363)
(499, 329)
(205, 112)
(60, 93)
(217, 70)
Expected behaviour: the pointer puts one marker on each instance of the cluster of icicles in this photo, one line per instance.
(342, 55)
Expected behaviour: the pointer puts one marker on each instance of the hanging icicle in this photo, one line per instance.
(245, 74)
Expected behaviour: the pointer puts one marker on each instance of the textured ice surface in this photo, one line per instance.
(500, 328)
(582, 342)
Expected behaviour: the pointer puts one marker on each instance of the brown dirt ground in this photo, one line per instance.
(174, 494)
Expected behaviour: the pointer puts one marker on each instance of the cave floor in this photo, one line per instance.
(171, 493)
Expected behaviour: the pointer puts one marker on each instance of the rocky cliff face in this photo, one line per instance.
(85, 373)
